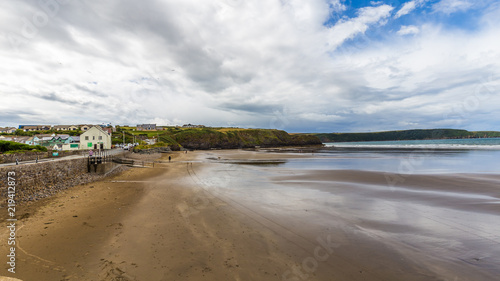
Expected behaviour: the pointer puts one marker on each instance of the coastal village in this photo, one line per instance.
(61, 137)
(76, 137)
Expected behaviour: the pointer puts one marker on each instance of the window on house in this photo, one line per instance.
(100, 137)
(93, 137)
(87, 138)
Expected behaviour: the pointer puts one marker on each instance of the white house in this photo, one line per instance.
(85, 127)
(20, 139)
(62, 128)
(8, 130)
(30, 128)
(95, 138)
(146, 127)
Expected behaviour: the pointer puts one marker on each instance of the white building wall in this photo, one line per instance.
(93, 138)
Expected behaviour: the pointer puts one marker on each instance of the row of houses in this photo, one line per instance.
(84, 128)
(32, 128)
(153, 127)
(94, 138)
(192, 126)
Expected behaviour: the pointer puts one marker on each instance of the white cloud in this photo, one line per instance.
(452, 6)
(408, 30)
(242, 63)
(319, 117)
(408, 7)
(337, 5)
(436, 77)
(348, 29)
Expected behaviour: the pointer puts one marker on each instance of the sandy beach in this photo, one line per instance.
(203, 217)
(141, 225)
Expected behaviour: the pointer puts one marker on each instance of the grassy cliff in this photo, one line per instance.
(406, 135)
(220, 138)
(243, 138)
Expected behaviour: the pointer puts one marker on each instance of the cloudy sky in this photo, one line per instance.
(297, 65)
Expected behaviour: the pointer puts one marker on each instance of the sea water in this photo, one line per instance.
(407, 157)
(486, 143)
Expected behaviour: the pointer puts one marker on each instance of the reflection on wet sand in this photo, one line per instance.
(428, 227)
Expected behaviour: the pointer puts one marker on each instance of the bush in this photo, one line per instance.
(9, 146)
(22, 151)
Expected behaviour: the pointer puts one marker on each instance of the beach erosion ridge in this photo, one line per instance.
(272, 215)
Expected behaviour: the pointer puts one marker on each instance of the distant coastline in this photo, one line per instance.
(420, 134)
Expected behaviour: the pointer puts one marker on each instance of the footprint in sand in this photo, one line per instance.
(110, 272)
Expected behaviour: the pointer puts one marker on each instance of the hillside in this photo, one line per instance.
(406, 135)
(222, 138)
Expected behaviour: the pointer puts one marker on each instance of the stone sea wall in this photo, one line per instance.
(37, 181)
(31, 156)
(28, 156)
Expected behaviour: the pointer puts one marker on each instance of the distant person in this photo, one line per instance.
(169, 158)
(91, 152)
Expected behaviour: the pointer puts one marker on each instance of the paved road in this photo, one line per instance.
(110, 152)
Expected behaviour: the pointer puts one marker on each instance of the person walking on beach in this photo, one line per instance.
(169, 158)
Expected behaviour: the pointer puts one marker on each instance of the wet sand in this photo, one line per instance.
(145, 224)
(201, 218)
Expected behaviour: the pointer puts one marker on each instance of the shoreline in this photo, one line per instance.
(201, 219)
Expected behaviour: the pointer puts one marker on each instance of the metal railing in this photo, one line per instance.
(98, 157)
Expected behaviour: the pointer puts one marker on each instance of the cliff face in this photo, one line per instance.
(248, 138)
